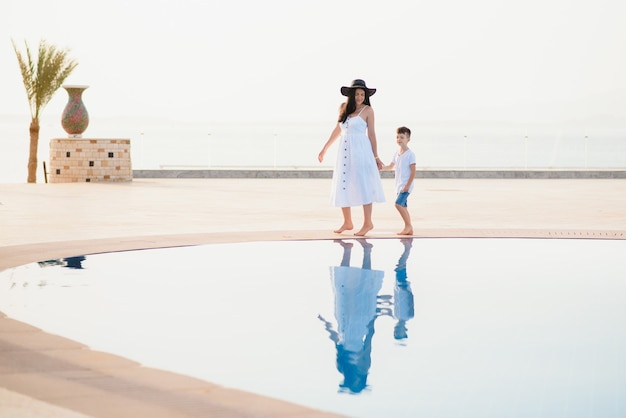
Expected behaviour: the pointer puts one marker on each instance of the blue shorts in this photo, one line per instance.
(402, 198)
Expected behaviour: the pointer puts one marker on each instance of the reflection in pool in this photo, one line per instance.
(358, 304)
(367, 328)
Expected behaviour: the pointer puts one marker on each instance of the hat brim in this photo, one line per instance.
(345, 90)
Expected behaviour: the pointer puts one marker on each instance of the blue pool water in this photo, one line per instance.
(369, 328)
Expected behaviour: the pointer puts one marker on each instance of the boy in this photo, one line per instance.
(404, 163)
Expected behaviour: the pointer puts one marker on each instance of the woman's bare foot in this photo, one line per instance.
(364, 230)
(406, 231)
(364, 243)
(344, 227)
(343, 243)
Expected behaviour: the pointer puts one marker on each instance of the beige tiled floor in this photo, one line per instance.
(46, 375)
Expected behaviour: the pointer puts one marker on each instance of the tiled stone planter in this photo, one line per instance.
(89, 160)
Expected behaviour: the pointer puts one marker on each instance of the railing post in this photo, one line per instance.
(209, 150)
(275, 149)
(141, 150)
(465, 151)
(526, 152)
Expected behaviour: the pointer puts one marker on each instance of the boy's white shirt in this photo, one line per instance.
(402, 166)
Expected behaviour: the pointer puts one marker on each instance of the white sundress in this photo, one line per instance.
(355, 303)
(356, 179)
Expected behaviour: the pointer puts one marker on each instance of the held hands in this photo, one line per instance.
(379, 164)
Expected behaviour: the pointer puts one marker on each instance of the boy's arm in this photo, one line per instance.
(411, 178)
(388, 167)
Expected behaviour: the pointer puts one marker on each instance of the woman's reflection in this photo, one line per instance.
(355, 310)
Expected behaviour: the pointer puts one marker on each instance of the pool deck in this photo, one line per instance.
(47, 375)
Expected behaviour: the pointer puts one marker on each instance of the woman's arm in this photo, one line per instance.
(331, 139)
(371, 133)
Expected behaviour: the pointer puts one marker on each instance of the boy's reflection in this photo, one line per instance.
(403, 307)
(356, 299)
(355, 310)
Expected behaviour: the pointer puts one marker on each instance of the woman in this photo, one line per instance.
(356, 179)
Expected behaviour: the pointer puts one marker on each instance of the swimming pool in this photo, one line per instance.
(367, 328)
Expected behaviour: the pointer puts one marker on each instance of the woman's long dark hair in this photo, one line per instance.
(350, 105)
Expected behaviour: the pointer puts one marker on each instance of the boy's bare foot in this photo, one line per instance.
(344, 227)
(364, 230)
(406, 231)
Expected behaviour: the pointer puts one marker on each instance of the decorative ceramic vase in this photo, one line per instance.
(75, 118)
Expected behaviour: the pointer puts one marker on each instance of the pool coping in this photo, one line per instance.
(17, 255)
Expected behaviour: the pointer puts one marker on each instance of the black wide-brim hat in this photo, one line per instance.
(357, 84)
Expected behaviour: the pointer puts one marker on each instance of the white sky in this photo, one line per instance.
(555, 61)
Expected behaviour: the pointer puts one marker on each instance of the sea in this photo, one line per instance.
(162, 144)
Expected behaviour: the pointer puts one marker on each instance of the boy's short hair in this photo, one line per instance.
(404, 130)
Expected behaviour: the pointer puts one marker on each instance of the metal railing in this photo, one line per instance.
(276, 151)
